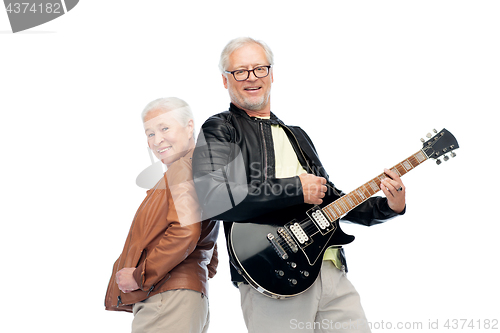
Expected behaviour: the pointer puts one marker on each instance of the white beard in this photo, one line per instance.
(248, 105)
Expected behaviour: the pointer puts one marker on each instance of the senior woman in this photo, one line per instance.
(161, 275)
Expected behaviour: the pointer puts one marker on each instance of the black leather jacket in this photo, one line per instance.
(233, 169)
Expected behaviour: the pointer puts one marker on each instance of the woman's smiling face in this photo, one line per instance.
(167, 138)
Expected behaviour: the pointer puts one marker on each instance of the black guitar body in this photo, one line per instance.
(275, 257)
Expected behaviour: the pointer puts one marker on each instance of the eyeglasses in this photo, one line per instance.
(244, 74)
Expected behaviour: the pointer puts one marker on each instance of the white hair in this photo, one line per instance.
(237, 43)
(181, 110)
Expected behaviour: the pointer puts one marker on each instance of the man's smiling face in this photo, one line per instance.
(254, 93)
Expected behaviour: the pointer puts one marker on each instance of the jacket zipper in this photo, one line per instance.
(147, 296)
(265, 151)
(119, 300)
(133, 224)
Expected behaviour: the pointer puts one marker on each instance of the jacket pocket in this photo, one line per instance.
(144, 283)
(142, 258)
(159, 283)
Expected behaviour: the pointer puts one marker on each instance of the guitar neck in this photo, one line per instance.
(346, 203)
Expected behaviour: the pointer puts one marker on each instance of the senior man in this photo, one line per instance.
(247, 163)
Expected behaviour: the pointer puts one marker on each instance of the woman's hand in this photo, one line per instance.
(125, 280)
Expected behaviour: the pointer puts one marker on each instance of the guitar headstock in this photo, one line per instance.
(442, 143)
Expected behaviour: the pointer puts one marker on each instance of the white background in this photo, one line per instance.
(365, 79)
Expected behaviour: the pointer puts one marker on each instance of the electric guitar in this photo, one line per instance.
(280, 253)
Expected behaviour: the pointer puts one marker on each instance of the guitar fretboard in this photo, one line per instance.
(345, 204)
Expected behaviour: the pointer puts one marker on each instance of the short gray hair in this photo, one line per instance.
(181, 110)
(235, 44)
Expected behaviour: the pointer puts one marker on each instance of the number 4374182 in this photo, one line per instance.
(27, 7)
(471, 324)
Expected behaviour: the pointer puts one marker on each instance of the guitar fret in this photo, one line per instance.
(407, 165)
(413, 161)
(420, 157)
(331, 214)
(357, 200)
(374, 187)
(356, 195)
(402, 169)
(349, 201)
(344, 206)
(334, 213)
(337, 209)
(361, 195)
(365, 193)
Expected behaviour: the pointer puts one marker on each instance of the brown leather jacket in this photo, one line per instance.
(167, 244)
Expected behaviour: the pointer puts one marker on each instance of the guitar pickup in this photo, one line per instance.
(299, 233)
(277, 247)
(320, 220)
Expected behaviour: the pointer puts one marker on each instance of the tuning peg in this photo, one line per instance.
(453, 154)
(422, 139)
(434, 130)
(446, 158)
(429, 135)
(438, 161)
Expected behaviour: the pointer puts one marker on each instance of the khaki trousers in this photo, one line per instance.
(330, 305)
(176, 311)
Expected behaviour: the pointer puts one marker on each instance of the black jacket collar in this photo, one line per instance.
(236, 110)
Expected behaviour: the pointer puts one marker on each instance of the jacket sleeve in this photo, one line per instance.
(221, 182)
(183, 231)
(373, 211)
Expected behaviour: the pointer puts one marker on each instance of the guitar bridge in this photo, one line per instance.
(277, 247)
(283, 233)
